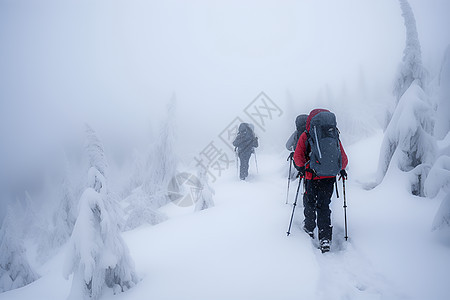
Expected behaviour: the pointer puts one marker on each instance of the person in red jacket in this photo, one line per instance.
(319, 189)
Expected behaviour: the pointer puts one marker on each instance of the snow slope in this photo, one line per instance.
(239, 248)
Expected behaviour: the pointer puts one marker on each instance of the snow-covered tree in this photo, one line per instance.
(97, 255)
(94, 151)
(408, 140)
(439, 177)
(65, 215)
(162, 163)
(135, 171)
(15, 270)
(441, 221)
(140, 212)
(444, 74)
(411, 68)
(153, 176)
(439, 180)
(57, 213)
(206, 192)
(442, 127)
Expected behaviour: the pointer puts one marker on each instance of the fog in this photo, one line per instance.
(115, 65)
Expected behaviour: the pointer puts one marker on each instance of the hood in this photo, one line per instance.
(311, 115)
(244, 127)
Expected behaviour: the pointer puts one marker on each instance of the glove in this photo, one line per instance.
(291, 156)
(301, 172)
(343, 174)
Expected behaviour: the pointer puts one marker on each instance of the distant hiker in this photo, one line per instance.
(245, 144)
(291, 144)
(321, 157)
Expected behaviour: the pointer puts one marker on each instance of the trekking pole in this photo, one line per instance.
(345, 209)
(336, 186)
(289, 177)
(256, 162)
(293, 207)
(237, 162)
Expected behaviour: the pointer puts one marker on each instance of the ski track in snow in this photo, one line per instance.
(239, 250)
(344, 273)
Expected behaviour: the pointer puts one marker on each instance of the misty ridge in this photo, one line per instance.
(103, 104)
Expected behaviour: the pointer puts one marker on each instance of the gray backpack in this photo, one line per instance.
(323, 138)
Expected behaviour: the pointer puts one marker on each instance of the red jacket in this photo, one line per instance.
(301, 155)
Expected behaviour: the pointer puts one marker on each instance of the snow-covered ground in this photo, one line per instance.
(239, 248)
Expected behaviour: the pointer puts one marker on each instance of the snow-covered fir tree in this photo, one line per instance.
(94, 152)
(65, 215)
(442, 127)
(411, 68)
(439, 180)
(57, 213)
(439, 177)
(15, 270)
(138, 206)
(139, 211)
(408, 139)
(135, 174)
(97, 255)
(157, 172)
(206, 192)
(162, 162)
(441, 222)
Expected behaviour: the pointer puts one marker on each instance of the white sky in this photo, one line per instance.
(116, 63)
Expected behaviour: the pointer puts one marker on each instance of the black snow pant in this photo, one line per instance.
(244, 159)
(317, 202)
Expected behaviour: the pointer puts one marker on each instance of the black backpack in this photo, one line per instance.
(246, 139)
(323, 139)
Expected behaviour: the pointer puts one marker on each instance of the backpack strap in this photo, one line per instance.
(308, 146)
(308, 155)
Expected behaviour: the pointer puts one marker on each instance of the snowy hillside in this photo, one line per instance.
(239, 248)
(118, 130)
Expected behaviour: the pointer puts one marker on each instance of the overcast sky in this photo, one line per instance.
(115, 64)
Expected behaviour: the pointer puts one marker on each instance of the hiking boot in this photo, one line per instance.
(309, 232)
(324, 245)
